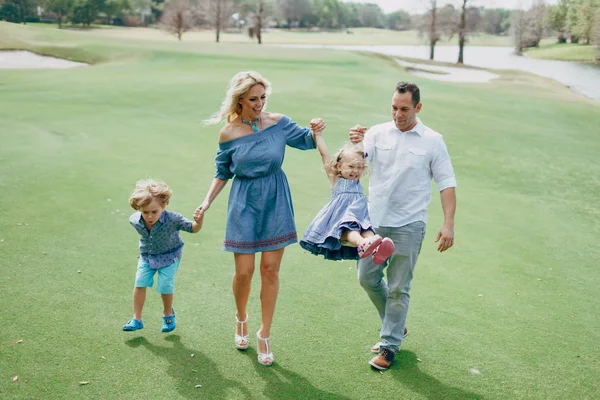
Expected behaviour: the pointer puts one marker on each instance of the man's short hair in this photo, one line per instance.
(412, 88)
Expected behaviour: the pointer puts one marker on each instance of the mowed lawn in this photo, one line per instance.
(510, 312)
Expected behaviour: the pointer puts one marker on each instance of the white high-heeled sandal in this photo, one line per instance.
(267, 358)
(241, 341)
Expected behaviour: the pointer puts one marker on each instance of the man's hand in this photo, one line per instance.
(357, 133)
(445, 238)
(317, 125)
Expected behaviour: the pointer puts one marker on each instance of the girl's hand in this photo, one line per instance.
(357, 133)
(317, 125)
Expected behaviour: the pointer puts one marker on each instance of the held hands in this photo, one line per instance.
(317, 125)
(199, 212)
(357, 133)
(445, 238)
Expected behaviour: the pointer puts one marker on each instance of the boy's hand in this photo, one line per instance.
(317, 125)
(198, 214)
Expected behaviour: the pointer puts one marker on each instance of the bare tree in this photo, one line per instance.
(519, 26)
(462, 32)
(469, 22)
(437, 22)
(258, 20)
(432, 34)
(218, 12)
(176, 18)
(528, 26)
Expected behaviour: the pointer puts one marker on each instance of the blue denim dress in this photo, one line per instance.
(347, 209)
(260, 214)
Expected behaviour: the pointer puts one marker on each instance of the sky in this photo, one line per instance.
(419, 6)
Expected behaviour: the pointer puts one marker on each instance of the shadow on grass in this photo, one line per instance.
(406, 371)
(190, 371)
(282, 383)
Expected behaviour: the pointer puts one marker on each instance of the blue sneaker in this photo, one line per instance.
(133, 325)
(168, 324)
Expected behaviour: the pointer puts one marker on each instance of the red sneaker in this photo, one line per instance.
(384, 251)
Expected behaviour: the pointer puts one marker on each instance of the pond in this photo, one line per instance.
(583, 78)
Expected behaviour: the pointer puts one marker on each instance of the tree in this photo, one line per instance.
(584, 19)
(114, 8)
(372, 15)
(176, 17)
(61, 8)
(462, 32)
(495, 21)
(293, 10)
(258, 21)
(519, 24)
(398, 20)
(157, 7)
(218, 12)
(328, 13)
(472, 26)
(17, 10)
(86, 11)
(528, 26)
(432, 29)
(556, 19)
(573, 20)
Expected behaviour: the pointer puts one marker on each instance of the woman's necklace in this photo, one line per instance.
(253, 124)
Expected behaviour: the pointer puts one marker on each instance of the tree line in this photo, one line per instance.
(577, 21)
(231, 14)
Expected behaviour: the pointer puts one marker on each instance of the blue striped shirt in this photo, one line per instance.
(162, 245)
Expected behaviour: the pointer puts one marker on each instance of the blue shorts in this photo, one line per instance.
(166, 277)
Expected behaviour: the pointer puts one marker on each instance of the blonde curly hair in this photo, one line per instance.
(239, 86)
(147, 190)
(347, 149)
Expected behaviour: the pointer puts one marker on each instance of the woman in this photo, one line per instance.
(260, 215)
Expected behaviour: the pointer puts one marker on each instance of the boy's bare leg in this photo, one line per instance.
(167, 304)
(139, 298)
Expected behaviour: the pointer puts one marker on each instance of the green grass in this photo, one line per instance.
(565, 52)
(515, 299)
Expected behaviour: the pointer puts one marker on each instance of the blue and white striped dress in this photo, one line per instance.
(347, 209)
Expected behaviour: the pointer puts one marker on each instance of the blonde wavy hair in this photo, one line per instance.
(147, 190)
(239, 86)
(347, 149)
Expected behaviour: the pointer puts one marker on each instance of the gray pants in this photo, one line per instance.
(392, 298)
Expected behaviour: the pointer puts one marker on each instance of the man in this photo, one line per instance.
(405, 155)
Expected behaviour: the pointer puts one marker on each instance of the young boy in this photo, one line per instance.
(160, 248)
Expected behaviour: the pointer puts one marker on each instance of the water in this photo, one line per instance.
(583, 78)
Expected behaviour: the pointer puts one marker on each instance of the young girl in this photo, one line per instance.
(342, 229)
(160, 248)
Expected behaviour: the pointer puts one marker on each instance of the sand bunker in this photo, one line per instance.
(20, 59)
(448, 74)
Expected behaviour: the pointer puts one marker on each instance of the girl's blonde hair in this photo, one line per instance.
(348, 148)
(147, 190)
(239, 87)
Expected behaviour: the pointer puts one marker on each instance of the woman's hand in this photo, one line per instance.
(317, 125)
(199, 213)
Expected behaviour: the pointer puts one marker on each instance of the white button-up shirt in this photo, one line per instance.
(402, 167)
